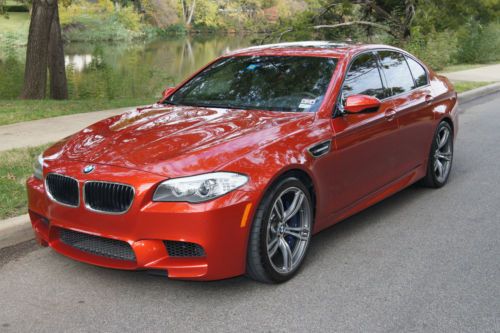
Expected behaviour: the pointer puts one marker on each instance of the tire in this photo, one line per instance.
(282, 230)
(441, 153)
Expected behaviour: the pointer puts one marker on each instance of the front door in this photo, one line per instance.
(362, 158)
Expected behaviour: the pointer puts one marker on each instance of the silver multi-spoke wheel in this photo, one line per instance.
(288, 230)
(281, 230)
(440, 157)
(443, 154)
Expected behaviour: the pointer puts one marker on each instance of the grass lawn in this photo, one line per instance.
(16, 166)
(14, 30)
(14, 111)
(461, 86)
(14, 22)
(463, 67)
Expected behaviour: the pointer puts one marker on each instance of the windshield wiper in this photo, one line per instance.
(234, 106)
(168, 103)
(209, 105)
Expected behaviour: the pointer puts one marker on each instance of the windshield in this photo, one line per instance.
(275, 83)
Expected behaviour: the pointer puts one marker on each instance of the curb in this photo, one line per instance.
(18, 229)
(470, 95)
(15, 230)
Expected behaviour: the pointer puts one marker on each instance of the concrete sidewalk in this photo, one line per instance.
(489, 73)
(39, 132)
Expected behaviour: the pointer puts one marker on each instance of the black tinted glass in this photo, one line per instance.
(260, 82)
(418, 72)
(363, 77)
(396, 71)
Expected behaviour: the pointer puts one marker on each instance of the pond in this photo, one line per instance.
(137, 69)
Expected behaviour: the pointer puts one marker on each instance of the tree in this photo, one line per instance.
(161, 13)
(44, 51)
(393, 16)
(188, 11)
(57, 68)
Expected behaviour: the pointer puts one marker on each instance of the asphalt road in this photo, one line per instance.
(423, 260)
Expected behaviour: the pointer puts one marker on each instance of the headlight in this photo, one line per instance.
(38, 167)
(199, 188)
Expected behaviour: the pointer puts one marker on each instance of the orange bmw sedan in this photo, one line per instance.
(234, 170)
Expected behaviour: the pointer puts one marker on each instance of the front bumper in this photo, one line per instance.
(218, 226)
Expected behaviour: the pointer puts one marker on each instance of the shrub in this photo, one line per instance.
(11, 77)
(436, 49)
(129, 18)
(478, 43)
(100, 21)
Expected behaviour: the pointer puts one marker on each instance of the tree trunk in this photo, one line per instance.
(191, 12)
(184, 10)
(57, 69)
(138, 6)
(35, 74)
(408, 20)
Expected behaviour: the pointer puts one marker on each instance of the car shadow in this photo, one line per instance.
(336, 234)
(323, 245)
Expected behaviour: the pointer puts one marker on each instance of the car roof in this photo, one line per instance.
(307, 48)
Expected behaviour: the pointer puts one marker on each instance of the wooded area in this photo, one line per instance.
(440, 32)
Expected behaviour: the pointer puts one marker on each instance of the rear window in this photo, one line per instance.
(419, 73)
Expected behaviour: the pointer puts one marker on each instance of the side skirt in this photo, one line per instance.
(369, 200)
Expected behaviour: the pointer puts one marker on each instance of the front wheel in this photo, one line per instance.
(281, 232)
(440, 158)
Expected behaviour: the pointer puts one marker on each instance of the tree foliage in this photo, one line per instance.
(439, 31)
(223, 14)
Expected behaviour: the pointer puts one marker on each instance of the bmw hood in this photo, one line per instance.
(175, 141)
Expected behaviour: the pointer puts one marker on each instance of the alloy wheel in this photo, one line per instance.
(288, 230)
(443, 154)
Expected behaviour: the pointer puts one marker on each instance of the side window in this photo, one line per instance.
(419, 73)
(397, 73)
(363, 77)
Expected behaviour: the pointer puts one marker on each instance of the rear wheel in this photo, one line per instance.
(281, 232)
(440, 158)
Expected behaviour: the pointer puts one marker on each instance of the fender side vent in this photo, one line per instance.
(320, 149)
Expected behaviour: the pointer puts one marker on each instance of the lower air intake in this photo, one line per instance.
(184, 249)
(104, 247)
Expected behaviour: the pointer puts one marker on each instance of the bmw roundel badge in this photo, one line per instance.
(88, 169)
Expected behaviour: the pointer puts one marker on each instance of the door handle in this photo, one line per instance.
(428, 99)
(390, 114)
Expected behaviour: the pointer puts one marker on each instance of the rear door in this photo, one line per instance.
(412, 98)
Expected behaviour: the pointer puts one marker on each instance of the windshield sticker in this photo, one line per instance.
(251, 67)
(306, 103)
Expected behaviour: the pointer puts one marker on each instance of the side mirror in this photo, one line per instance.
(167, 92)
(361, 103)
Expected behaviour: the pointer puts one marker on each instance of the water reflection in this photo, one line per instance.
(175, 58)
(139, 70)
(78, 62)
